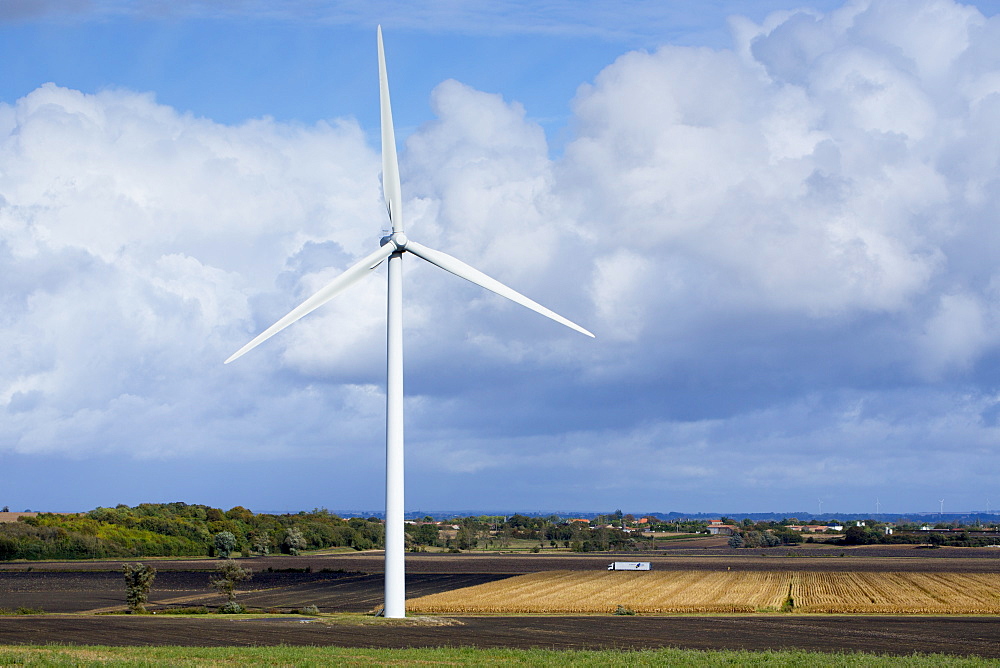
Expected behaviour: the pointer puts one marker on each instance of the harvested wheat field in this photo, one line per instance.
(889, 593)
(569, 592)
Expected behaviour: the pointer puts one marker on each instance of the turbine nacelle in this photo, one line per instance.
(397, 239)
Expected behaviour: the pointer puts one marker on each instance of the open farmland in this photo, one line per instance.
(567, 592)
(571, 592)
(894, 593)
(353, 583)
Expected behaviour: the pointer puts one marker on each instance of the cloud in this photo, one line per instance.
(782, 224)
(786, 249)
(140, 243)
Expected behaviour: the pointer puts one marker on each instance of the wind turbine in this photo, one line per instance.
(392, 248)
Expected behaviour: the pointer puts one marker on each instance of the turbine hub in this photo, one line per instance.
(397, 239)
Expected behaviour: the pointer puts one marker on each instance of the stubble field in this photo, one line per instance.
(663, 592)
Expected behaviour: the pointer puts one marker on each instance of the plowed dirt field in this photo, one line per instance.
(970, 636)
(353, 583)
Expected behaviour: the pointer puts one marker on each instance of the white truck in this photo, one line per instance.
(629, 566)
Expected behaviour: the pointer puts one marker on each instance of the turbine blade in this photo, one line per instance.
(332, 289)
(462, 270)
(390, 166)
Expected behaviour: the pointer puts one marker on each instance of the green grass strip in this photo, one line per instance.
(79, 656)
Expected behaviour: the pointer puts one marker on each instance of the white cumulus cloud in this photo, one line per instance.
(787, 250)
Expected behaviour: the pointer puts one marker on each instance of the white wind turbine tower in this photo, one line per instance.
(393, 247)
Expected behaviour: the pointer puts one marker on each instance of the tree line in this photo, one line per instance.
(180, 529)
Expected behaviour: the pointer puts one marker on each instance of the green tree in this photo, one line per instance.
(138, 581)
(260, 542)
(860, 536)
(225, 544)
(228, 575)
(293, 541)
(426, 534)
(467, 536)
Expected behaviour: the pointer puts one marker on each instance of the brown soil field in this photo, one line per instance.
(901, 636)
(63, 592)
(710, 553)
(353, 583)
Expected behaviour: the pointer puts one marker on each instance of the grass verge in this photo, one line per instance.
(61, 655)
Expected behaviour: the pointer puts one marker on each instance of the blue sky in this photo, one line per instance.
(779, 219)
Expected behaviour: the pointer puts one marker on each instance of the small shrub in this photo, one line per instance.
(310, 610)
(193, 610)
(232, 608)
(622, 610)
(22, 610)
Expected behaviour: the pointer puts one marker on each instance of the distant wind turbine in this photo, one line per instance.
(392, 249)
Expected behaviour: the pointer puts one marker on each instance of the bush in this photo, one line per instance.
(232, 608)
(622, 610)
(22, 610)
(194, 610)
(310, 610)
